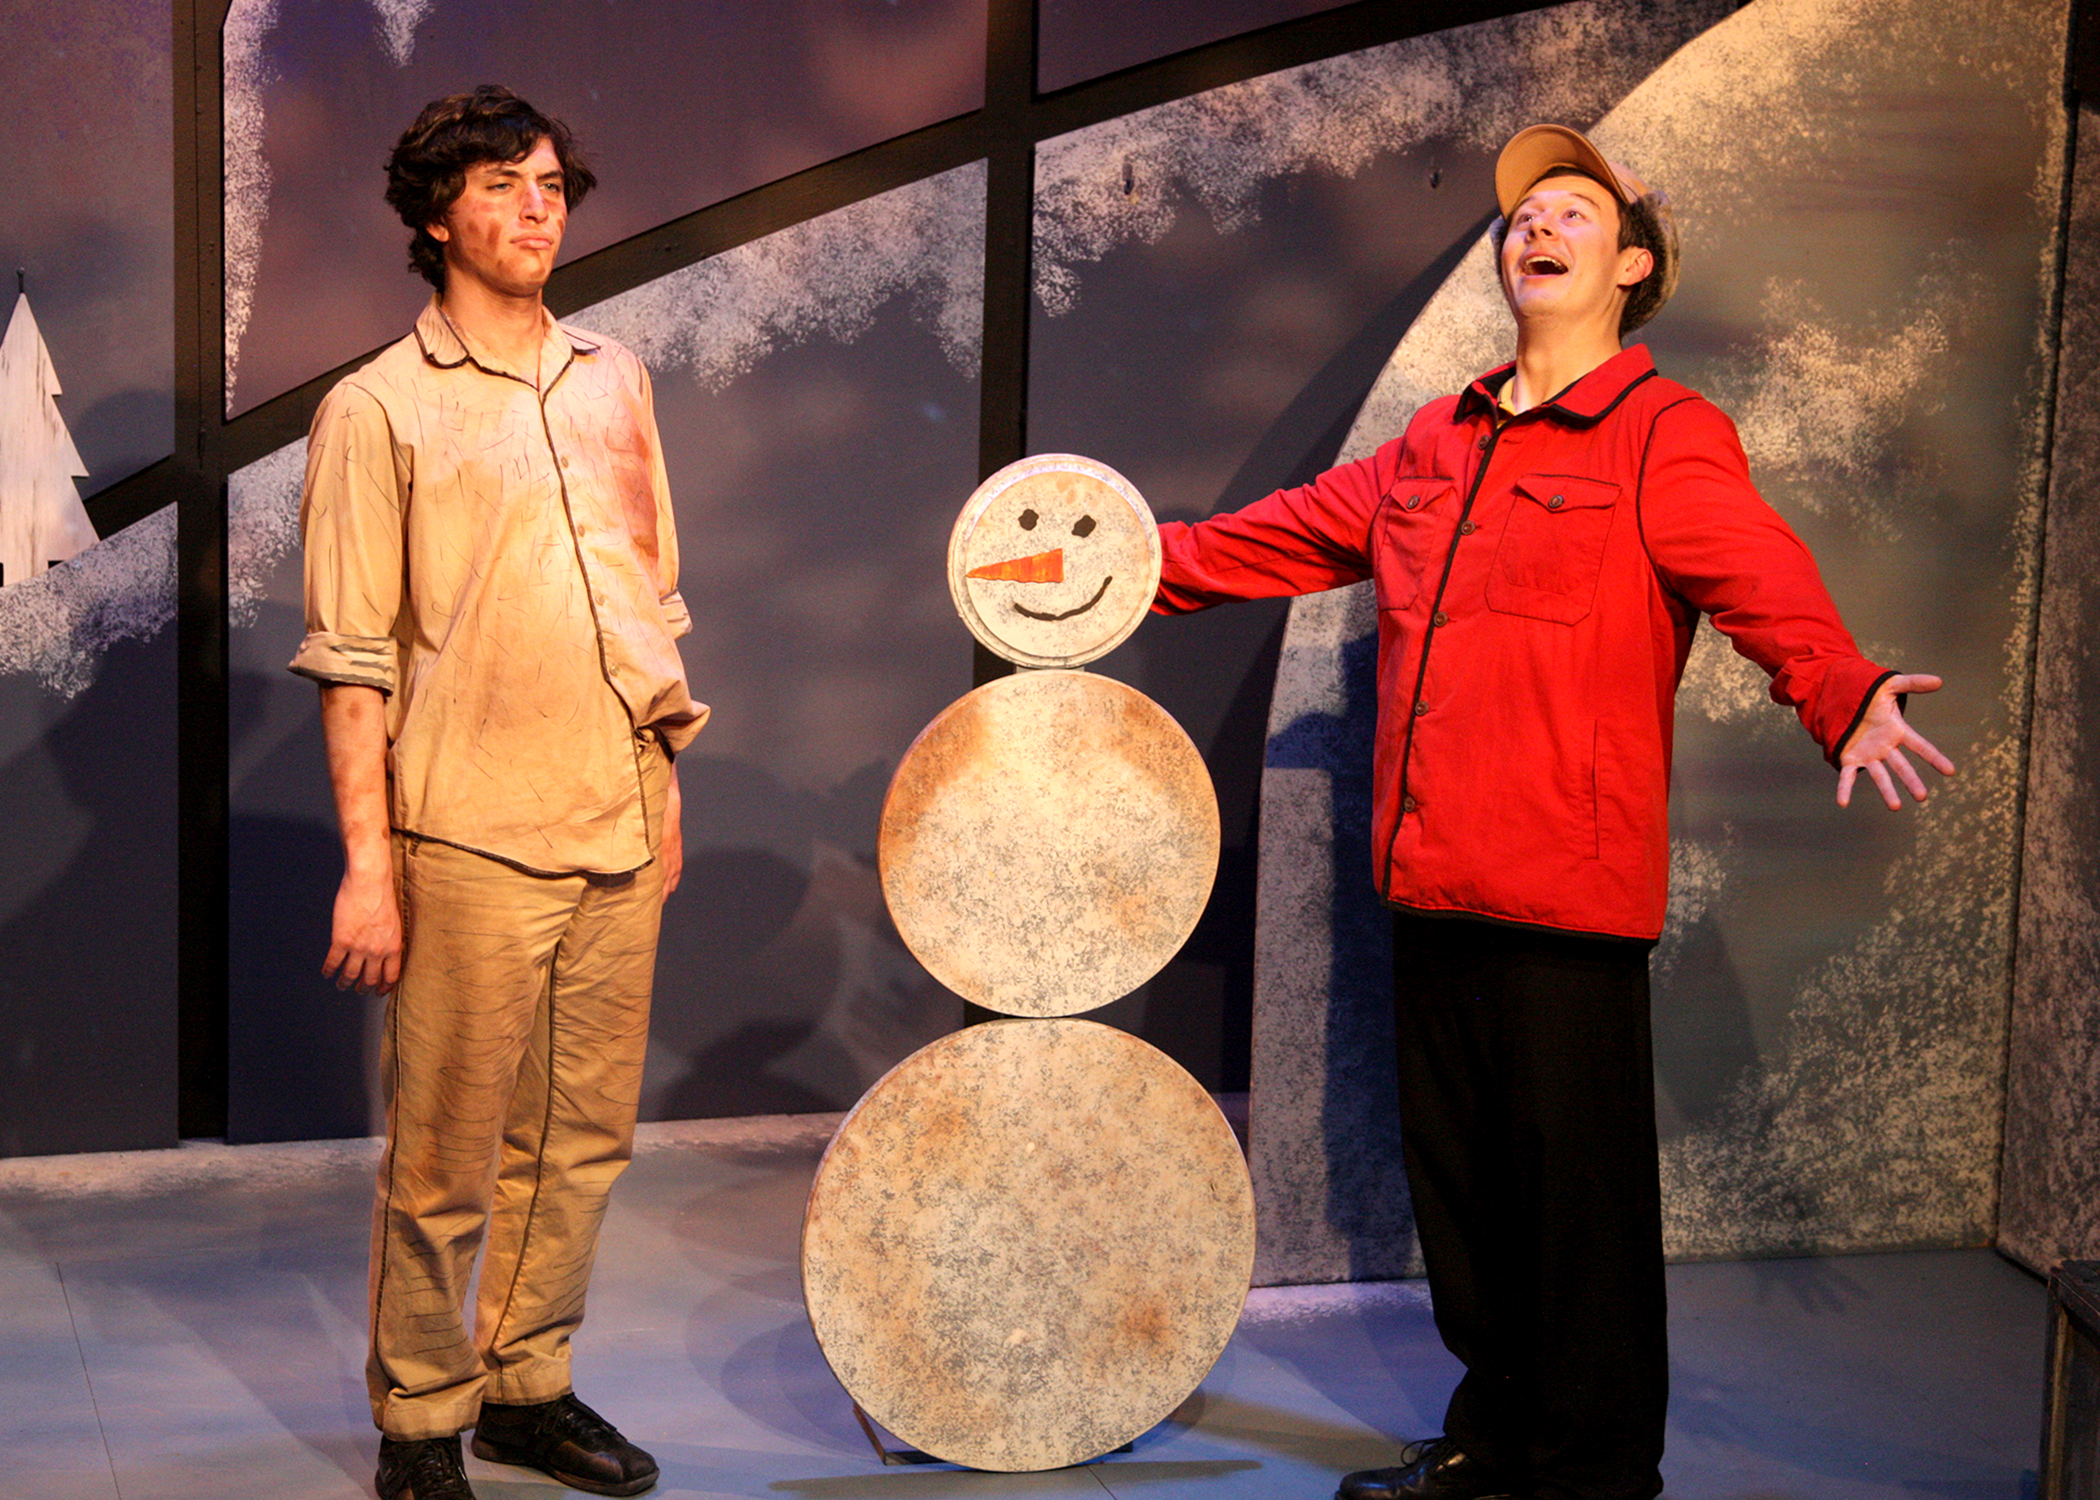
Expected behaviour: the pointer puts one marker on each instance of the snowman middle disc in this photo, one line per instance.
(1048, 843)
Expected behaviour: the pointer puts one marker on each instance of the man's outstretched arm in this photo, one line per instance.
(1877, 745)
(364, 943)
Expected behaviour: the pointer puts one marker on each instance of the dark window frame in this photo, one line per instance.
(1004, 133)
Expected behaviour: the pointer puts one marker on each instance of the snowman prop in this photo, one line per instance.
(1030, 1241)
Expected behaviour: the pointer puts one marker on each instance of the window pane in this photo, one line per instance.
(1082, 39)
(678, 106)
(90, 219)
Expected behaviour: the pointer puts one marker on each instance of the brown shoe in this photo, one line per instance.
(421, 1469)
(1437, 1469)
(566, 1439)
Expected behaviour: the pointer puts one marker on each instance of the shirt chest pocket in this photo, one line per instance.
(1552, 549)
(1409, 538)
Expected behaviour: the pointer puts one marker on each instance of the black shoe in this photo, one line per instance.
(1437, 1469)
(421, 1469)
(565, 1438)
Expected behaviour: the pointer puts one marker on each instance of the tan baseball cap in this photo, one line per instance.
(1538, 151)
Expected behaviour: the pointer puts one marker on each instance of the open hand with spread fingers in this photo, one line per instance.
(1877, 746)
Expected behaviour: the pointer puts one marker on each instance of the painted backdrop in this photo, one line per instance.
(1871, 196)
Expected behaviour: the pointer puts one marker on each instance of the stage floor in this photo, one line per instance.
(190, 1324)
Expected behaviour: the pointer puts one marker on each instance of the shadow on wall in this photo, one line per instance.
(782, 987)
(297, 1059)
(1218, 667)
(1705, 1044)
(88, 983)
(1198, 1008)
(1360, 1121)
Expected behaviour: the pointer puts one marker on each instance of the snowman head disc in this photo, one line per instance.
(1054, 561)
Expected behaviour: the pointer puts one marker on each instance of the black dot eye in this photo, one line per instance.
(1028, 520)
(1084, 526)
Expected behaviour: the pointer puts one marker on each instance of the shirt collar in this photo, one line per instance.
(1582, 404)
(444, 346)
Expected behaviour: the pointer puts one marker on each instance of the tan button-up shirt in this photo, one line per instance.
(501, 561)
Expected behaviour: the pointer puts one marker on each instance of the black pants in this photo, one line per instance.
(1527, 1111)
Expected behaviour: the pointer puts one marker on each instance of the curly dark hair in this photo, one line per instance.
(1640, 225)
(428, 166)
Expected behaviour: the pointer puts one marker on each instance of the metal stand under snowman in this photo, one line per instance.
(1030, 1241)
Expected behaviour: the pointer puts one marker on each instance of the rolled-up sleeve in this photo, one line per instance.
(676, 615)
(351, 519)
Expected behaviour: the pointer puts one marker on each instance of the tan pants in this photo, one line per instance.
(512, 1062)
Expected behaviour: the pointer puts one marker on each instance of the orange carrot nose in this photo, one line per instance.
(1044, 567)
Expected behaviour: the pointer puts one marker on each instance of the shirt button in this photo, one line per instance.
(1556, 502)
(1466, 528)
(1482, 445)
(565, 460)
(1421, 707)
(1441, 619)
(1408, 804)
(1413, 501)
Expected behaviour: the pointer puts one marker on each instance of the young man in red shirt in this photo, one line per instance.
(1542, 546)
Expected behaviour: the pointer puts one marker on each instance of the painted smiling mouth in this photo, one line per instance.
(1066, 614)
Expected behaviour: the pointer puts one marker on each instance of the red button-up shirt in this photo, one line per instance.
(1539, 578)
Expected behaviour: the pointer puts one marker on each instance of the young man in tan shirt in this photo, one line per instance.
(491, 602)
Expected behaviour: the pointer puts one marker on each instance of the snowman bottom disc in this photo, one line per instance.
(1028, 1243)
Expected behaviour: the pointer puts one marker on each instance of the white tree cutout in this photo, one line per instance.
(42, 521)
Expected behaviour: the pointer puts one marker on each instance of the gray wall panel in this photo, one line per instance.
(2049, 1204)
(87, 908)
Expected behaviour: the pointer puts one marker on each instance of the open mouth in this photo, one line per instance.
(1542, 265)
(1066, 614)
